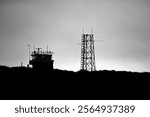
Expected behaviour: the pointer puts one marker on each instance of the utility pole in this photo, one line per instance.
(29, 51)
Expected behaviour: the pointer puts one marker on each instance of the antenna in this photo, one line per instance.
(29, 51)
(87, 53)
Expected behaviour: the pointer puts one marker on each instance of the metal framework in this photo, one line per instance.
(87, 53)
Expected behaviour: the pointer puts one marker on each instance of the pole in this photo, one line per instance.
(29, 51)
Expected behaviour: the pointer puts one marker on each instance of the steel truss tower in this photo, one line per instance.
(87, 53)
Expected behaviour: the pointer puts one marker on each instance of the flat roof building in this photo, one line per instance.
(41, 59)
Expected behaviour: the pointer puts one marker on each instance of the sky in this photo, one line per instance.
(123, 25)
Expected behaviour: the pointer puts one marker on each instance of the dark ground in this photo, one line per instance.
(26, 83)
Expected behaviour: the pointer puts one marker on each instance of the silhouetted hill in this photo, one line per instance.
(27, 83)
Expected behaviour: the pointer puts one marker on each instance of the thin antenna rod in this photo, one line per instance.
(29, 51)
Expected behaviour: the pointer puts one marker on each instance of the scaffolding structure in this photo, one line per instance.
(87, 53)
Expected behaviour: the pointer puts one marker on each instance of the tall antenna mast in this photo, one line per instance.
(87, 52)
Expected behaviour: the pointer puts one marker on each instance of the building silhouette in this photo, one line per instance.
(41, 60)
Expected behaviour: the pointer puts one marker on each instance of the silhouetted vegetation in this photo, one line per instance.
(27, 83)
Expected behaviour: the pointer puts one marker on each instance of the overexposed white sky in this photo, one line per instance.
(124, 25)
